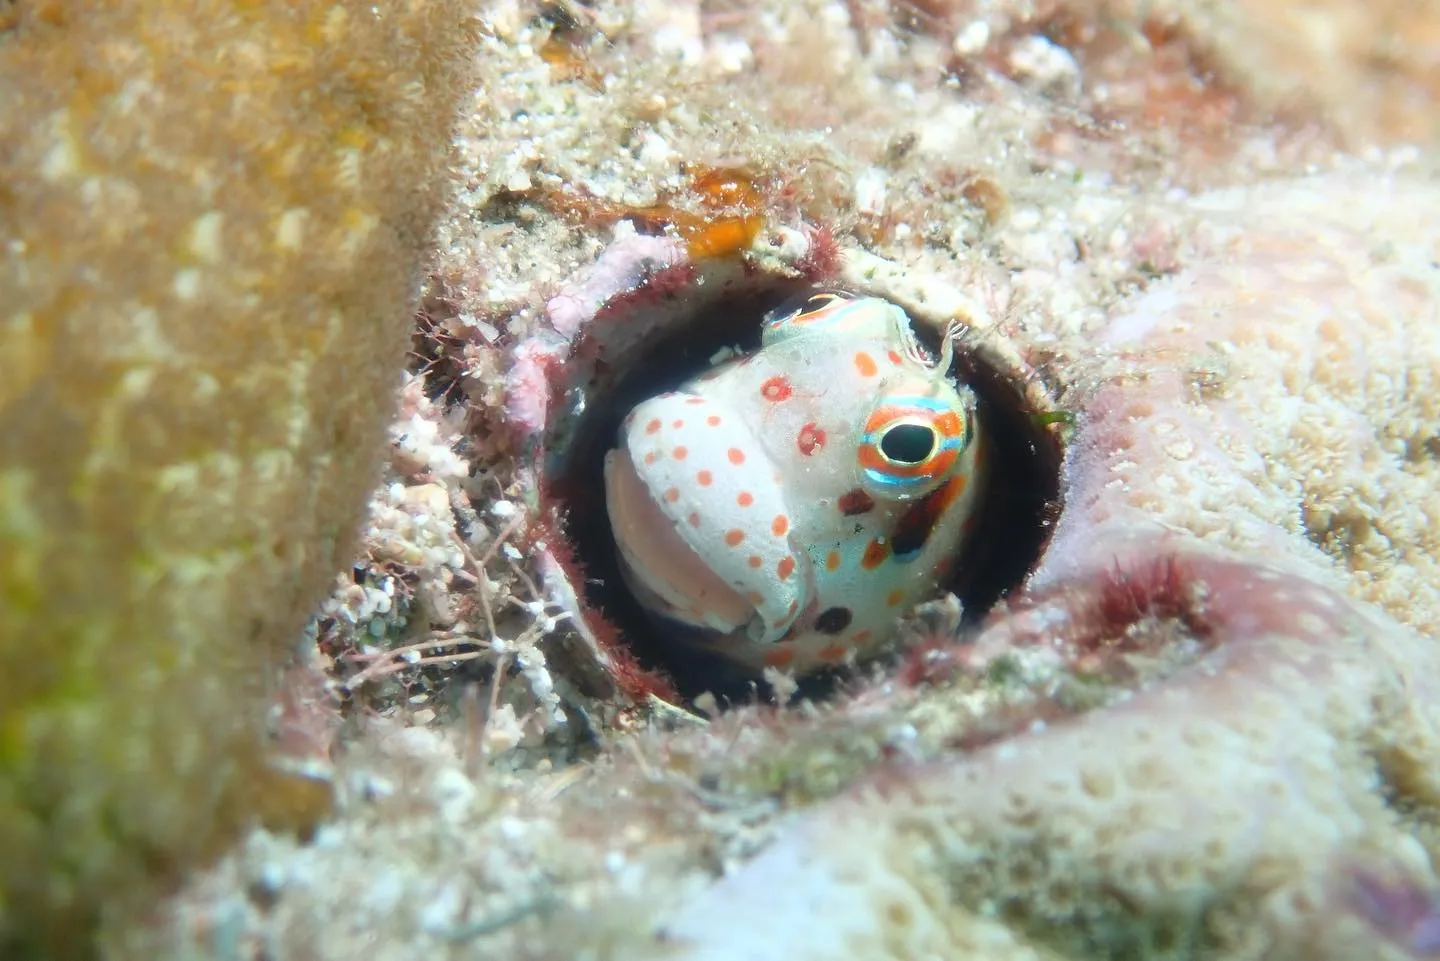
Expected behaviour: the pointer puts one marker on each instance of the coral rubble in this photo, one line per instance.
(212, 217)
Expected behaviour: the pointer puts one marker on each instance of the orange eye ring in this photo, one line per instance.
(909, 444)
(809, 307)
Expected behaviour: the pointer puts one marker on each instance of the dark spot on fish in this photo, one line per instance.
(855, 502)
(913, 528)
(833, 620)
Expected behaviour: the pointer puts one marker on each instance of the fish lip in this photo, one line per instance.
(646, 540)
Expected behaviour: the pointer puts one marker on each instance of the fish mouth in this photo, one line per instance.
(663, 571)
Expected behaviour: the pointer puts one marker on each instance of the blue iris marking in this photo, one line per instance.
(934, 404)
(898, 483)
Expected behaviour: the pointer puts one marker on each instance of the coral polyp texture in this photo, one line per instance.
(212, 219)
(1186, 708)
(1269, 765)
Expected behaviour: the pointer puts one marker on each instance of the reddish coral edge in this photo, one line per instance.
(1400, 907)
(1092, 622)
(821, 261)
(657, 288)
(635, 681)
(820, 264)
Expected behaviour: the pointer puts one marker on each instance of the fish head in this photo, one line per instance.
(779, 500)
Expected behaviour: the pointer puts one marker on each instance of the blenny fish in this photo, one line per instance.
(786, 506)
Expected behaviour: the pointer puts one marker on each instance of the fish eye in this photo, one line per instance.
(908, 443)
(821, 301)
(799, 309)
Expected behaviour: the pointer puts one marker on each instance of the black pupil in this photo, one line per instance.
(908, 443)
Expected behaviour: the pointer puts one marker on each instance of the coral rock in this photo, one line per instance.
(1261, 797)
(212, 218)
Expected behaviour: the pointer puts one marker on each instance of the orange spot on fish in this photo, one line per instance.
(810, 439)
(755, 597)
(780, 525)
(672, 495)
(653, 426)
(894, 598)
(776, 389)
(832, 561)
(679, 453)
(779, 656)
(785, 568)
(832, 653)
(754, 560)
(865, 364)
(678, 424)
(713, 420)
(949, 424)
(895, 358)
(704, 478)
(875, 554)
(744, 498)
(861, 637)
(694, 520)
(734, 536)
(651, 457)
(736, 455)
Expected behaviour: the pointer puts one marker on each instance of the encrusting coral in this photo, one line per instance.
(212, 216)
(1203, 727)
(1267, 768)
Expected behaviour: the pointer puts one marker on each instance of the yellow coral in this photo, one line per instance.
(212, 214)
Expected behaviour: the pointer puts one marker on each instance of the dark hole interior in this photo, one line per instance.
(1021, 502)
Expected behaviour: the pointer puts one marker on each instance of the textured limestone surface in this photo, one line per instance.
(1239, 802)
(1204, 729)
(211, 220)
(1278, 396)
